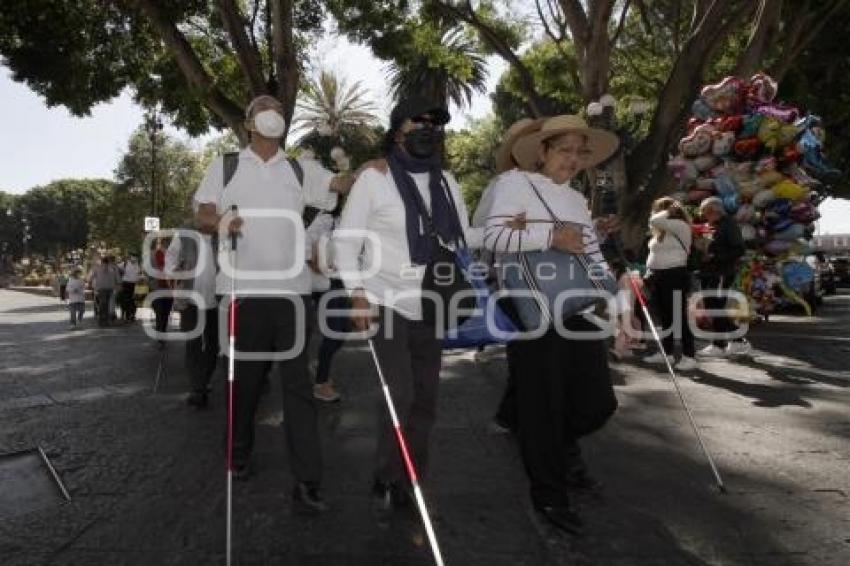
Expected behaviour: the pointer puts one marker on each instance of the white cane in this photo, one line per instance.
(231, 371)
(408, 462)
(642, 301)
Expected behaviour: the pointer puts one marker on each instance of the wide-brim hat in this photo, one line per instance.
(504, 160)
(601, 143)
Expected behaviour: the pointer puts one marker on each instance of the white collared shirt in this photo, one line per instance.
(269, 255)
(131, 272)
(375, 206)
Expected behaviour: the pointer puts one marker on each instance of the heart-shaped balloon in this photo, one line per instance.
(725, 97)
(761, 89)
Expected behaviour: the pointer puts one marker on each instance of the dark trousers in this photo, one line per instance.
(268, 324)
(506, 414)
(162, 310)
(76, 310)
(330, 346)
(201, 352)
(104, 297)
(128, 300)
(719, 323)
(410, 360)
(564, 392)
(665, 283)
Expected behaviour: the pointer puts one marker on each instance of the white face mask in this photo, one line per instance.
(269, 123)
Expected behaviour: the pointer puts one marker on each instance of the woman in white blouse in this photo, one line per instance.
(564, 387)
(669, 277)
(388, 234)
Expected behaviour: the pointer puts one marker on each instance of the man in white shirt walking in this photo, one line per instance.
(130, 276)
(272, 282)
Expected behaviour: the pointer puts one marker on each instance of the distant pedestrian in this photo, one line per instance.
(187, 254)
(104, 280)
(62, 280)
(76, 289)
(161, 305)
(669, 278)
(717, 272)
(130, 273)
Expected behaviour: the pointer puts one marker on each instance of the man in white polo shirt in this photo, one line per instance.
(272, 282)
(129, 277)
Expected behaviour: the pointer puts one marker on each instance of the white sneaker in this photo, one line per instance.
(740, 348)
(687, 364)
(656, 358)
(712, 351)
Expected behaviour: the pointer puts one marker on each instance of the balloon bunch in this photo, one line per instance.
(763, 159)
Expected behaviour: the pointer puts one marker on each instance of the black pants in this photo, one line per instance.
(128, 300)
(719, 323)
(330, 346)
(665, 283)
(201, 352)
(410, 360)
(162, 310)
(564, 392)
(103, 298)
(268, 324)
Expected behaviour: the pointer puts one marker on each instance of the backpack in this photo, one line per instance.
(231, 163)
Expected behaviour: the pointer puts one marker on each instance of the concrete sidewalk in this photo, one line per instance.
(146, 474)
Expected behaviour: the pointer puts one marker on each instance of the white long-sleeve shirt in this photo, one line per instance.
(380, 263)
(512, 194)
(673, 250)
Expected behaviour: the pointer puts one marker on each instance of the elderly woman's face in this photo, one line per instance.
(564, 156)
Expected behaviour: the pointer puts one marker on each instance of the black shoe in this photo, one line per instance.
(562, 517)
(308, 499)
(198, 399)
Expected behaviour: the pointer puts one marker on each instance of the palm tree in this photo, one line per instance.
(458, 72)
(330, 107)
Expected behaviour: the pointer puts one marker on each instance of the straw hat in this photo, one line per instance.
(504, 160)
(602, 143)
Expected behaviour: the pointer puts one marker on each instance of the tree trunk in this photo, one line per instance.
(286, 63)
(764, 30)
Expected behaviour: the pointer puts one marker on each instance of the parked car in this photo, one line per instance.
(841, 270)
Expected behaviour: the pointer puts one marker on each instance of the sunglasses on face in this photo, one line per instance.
(426, 122)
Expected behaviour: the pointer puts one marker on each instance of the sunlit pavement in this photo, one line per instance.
(146, 473)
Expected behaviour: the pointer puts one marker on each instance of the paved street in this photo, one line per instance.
(146, 474)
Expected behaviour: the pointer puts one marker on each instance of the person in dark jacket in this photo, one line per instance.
(720, 264)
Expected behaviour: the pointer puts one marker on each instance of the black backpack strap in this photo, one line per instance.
(297, 169)
(231, 162)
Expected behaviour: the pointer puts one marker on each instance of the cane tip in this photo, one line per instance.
(722, 489)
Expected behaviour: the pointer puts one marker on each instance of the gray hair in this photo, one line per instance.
(715, 203)
(249, 110)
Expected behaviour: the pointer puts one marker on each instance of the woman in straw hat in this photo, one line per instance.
(564, 388)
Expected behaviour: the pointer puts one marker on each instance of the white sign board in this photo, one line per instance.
(151, 223)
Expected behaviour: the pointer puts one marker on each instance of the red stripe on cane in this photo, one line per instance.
(406, 455)
(641, 299)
